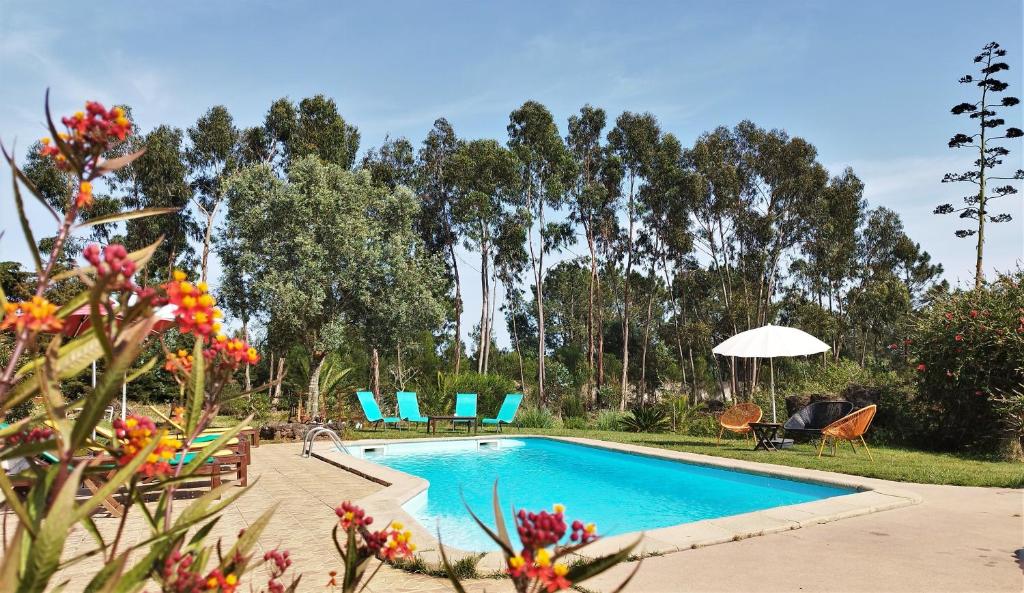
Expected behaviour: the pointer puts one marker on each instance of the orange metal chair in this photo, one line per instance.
(849, 428)
(738, 418)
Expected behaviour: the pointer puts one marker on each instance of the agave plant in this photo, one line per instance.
(645, 418)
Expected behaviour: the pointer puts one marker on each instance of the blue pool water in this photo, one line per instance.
(618, 491)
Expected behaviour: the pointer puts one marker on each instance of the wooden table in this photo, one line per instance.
(469, 420)
(766, 436)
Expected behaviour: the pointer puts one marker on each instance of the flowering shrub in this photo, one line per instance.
(122, 316)
(539, 565)
(362, 546)
(965, 349)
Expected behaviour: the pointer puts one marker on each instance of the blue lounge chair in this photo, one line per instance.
(372, 410)
(465, 406)
(409, 408)
(507, 413)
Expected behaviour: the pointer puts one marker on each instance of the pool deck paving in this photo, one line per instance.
(900, 537)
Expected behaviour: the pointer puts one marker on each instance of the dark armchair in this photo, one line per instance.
(811, 419)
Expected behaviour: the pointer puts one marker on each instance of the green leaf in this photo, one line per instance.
(112, 484)
(592, 568)
(141, 257)
(197, 388)
(109, 382)
(26, 228)
(448, 566)
(212, 447)
(106, 579)
(248, 539)
(11, 499)
(506, 548)
(499, 519)
(9, 562)
(110, 165)
(140, 371)
(121, 216)
(53, 532)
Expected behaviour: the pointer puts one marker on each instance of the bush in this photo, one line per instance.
(490, 390)
(608, 420)
(536, 418)
(575, 423)
(573, 407)
(649, 418)
(966, 348)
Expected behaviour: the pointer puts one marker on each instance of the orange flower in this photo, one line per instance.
(35, 315)
(136, 433)
(195, 311)
(84, 197)
(179, 362)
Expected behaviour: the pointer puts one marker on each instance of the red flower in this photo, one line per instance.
(974, 313)
(113, 265)
(949, 316)
(921, 367)
(959, 338)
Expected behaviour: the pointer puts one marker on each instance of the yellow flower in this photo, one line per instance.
(559, 508)
(543, 558)
(561, 569)
(396, 526)
(179, 275)
(516, 562)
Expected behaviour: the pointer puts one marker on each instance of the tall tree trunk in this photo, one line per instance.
(600, 338)
(647, 339)
(519, 353)
(458, 309)
(375, 373)
(485, 308)
(624, 384)
(591, 395)
(537, 262)
(279, 387)
(490, 326)
(401, 373)
(270, 391)
(245, 336)
(317, 364)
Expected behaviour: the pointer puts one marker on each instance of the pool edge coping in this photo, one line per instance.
(873, 495)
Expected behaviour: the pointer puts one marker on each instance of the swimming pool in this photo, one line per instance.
(620, 492)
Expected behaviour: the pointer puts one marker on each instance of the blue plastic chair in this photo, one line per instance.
(372, 410)
(507, 413)
(465, 406)
(409, 408)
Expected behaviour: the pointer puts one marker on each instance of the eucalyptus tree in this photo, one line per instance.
(212, 157)
(351, 258)
(985, 112)
(545, 170)
(313, 127)
(158, 179)
(666, 229)
(593, 208)
(435, 223)
(830, 249)
(634, 140)
(484, 177)
(393, 164)
(510, 263)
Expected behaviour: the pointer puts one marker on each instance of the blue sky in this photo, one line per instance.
(869, 83)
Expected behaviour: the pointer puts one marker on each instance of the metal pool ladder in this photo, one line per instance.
(312, 433)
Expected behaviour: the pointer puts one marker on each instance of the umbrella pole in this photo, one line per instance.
(771, 367)
(94, 375)
(124, 397)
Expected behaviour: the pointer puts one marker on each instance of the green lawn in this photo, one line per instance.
(890, 463)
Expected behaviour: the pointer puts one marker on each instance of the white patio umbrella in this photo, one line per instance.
(771, 341)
